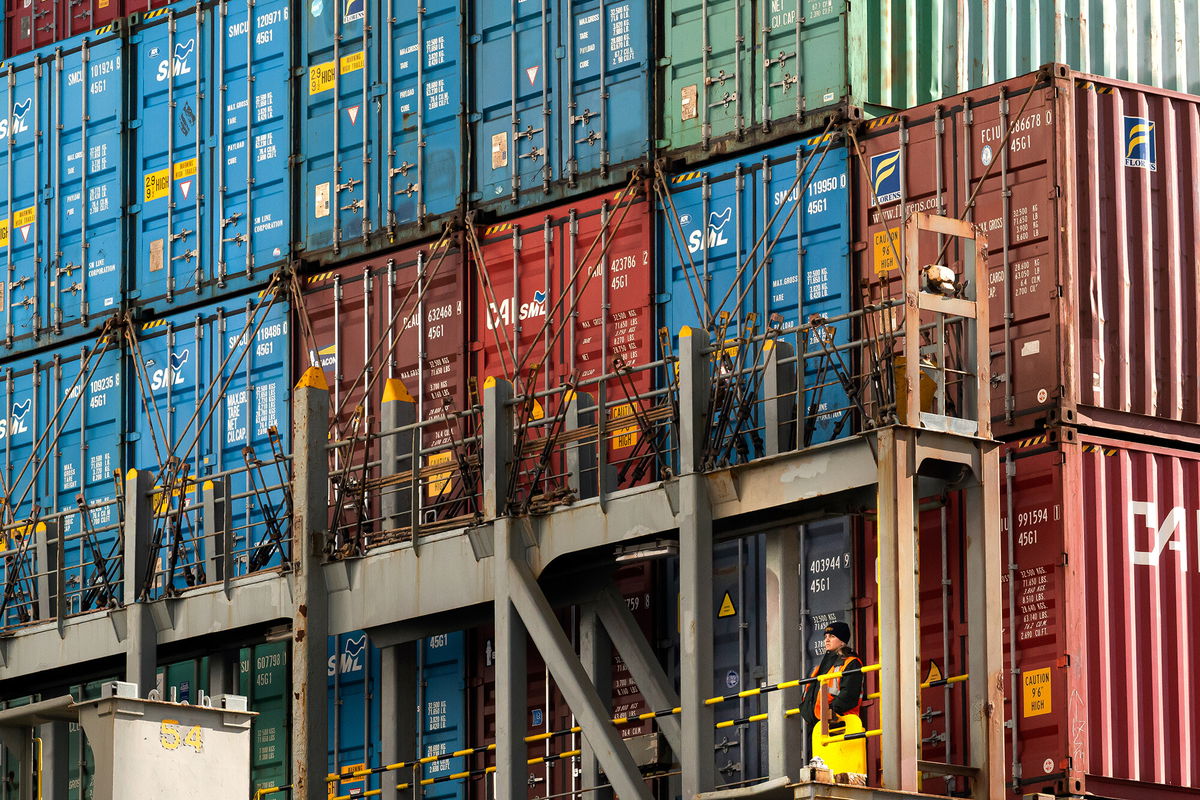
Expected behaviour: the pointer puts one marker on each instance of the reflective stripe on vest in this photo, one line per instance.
(835, 685)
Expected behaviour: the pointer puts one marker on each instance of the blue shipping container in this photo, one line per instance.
(354, 710)
(381, 138)
(212, 143)
(443, 723)
(60, 439)
(742, 235)
(206, 387)
(62, 166)
(561, 97)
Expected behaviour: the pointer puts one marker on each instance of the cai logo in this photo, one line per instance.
(350, 659)
(19, 123)
(885, 176)
(16, 421)
(1139, 143)
(172, 374)
(504, 313)
(178, 64)
(716, 232)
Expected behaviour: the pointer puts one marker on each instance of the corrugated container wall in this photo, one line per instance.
(1083, 187)
(211, 195)
(381, 133)
(561, 98)
(742, 236)
(34, 24)
(739, 70)
(354, 710)
(62, 179)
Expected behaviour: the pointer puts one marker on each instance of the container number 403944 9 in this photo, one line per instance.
(172, 737)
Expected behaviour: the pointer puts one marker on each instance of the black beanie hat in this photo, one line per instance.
(839, 629)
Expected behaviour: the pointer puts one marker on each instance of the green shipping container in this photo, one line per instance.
(736, 73)
(264, 678)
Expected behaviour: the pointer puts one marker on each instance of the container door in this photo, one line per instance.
(171, 156)
(607, 94)
(23, 177)
(19, 430)
(250, 184)
(707, 88)
(183, 681)
(514, 74)
(263, 678)
(87, 95)
(421, 171)
(443, 723)
(827, 575)
(803, 219)
(340, 203)
(87, 15)
(354, 711)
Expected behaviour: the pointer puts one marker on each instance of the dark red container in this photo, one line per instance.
(1092, 226)
(31, 24)
(400, 315)
(567, 291)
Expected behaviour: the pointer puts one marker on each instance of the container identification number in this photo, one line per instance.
(172, 737)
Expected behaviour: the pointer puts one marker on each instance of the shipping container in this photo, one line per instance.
(211, 141)
(62, 162)
(442, 700)
(1081, 185)
(381, 137)
(209, 394)
(60, 444)
(400, 315)
(742, 236)
(739, 72)
(183, 681)
(561, 98)
(558, 297)
(36, 24)
(354, 710)
(264, 679)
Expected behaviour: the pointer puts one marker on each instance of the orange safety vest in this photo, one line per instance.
(835, 685)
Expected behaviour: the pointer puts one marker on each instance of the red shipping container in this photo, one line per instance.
(32, 24)
(1084, 187)
(396, 315)
(569, 290)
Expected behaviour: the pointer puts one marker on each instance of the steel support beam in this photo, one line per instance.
(899, 632)
(511, 670)
(985, 625)
(141, 637)
(398, 698)
(497, 446)
(398, 410)
(779, 397)
(310, 620)
(643, 665)
(595, 652)
(572, 681)
(56, 761)
(218, 523)
(785, 735)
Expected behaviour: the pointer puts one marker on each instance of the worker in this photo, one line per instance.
(841, 713)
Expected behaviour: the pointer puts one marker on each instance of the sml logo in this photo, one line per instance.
(885, 176)
(1139, 143)
(350, 659)
(16, 421)
(503, 314)
(178, 65)
(19, 123)
(1169, 534)
(715, 234)
(172, 374)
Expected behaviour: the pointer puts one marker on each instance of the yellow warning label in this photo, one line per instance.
(886, 243)
(156, 185)
(1035, 692)
(353, 62)
(440, 483)
(346, 770)
(935, 674)
(538, 412)
(185, 169)
(320, 77)
(3, 233)
(625, 436)
(25, 216)
(727, 609)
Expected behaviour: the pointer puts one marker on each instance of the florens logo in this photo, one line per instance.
(19, 123)
(503, 314)
(178, 64)
(1140, 146)
(16, 421)
(885, 176)
(715, 234)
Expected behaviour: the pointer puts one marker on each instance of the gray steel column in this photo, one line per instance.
(497, 447)
(512, 677)
(641, 661)
(141, 644)
(223, 673)
(985, 624)
(310, 620)
(400, 716)
(695, 571)
(218, 527)
(572, 681)
(779, 398)
(581, 460)
(56, 760)
(784, 734)
(397, 410)
(46, 547)
(595, 652)
(899, 651)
